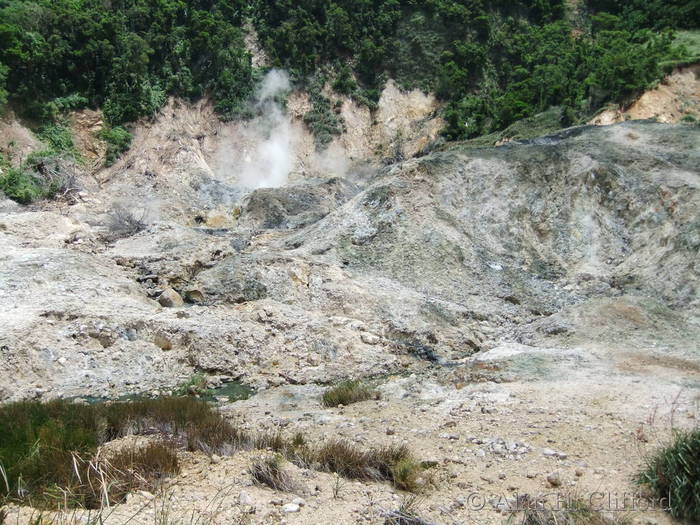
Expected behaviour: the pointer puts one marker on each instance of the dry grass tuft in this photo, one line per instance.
(269, 471)
(348, 392)
(407, 514)
(394, 463)
(572, 511)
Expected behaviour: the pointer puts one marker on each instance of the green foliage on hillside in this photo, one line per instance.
(492, 62)
(118, 141)
(125, 55)
(656, 14)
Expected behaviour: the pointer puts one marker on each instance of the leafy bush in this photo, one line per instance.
(26, 187)
(54, 109)
(321, 119)
(344, 82)
(118, 141)
(348, 392)
(673, 475)
(58, 137)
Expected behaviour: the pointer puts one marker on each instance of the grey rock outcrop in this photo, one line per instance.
(591, 234)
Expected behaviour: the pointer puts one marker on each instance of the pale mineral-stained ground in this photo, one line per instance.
(529, 312)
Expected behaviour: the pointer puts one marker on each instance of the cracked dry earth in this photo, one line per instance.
(529, 314)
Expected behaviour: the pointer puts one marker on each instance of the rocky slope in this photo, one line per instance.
(508, 300)
(430, 260)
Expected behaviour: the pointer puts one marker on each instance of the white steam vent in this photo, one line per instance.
(268, 156)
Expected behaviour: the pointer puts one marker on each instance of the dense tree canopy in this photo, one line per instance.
(491, 61)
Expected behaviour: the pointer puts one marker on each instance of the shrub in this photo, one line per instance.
(323, 122)
(195, 385)
(118, 141)
(44, 175)
(673, 475)
(23, 186)
(124, 222)
(348, 392)
(269, 471)
(58, 137)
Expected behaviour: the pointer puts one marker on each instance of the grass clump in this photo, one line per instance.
(407, 513)
(393, 463)
(569, 510)
(269, 471)
(196, 385)
(44, 446)
(50, 453)
(348, 392)
(672, 474)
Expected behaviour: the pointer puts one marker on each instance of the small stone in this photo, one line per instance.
(170, 299)
(549, 452)
(162, 342)
(531, 475)
(502, 475)
(194, 295)
(579, 472)
(290, 507)
(215, 459)
(554, 479)
(244, 498)
(299, 501)
(390, 432)
(369, 339)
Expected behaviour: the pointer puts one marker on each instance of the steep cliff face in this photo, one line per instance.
(587, 237)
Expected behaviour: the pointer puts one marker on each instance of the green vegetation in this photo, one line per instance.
(348, 392)
(323, 121)
(25, 187)
(48, 451)
(44, 173)
(673, 476)
(58, 137)
(393, 463)
(125, 56)
(118, 141)
(690, 41)
(492, 63)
